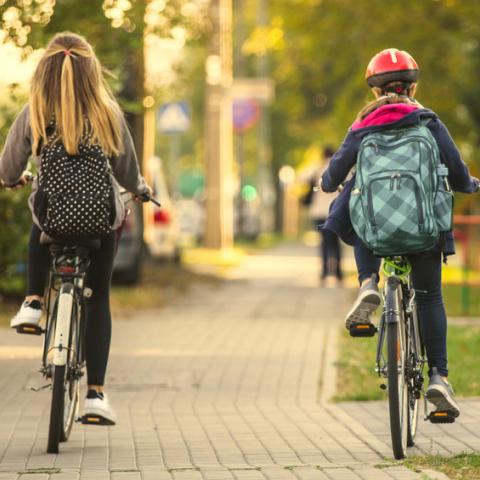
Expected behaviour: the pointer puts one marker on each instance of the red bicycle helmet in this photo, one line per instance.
(391, 65)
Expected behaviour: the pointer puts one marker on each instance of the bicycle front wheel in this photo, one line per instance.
(56, 409)
(397, 385)
(64, 335)
(414, 359)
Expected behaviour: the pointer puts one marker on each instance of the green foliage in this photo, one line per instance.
(15, 218)
(119, 43)
(15, 221)
(327, 44)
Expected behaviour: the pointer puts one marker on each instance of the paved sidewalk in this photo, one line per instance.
(221, 385)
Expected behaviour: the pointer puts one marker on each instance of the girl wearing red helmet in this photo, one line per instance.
(392, 75)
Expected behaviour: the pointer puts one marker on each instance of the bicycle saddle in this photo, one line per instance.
(93, 243)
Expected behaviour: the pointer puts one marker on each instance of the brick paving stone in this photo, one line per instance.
(372, 473)
(94, 474)
(309, 473)
(340, 474)
(125, 475)
(220, 474)
(248, 475)
(65, 476)
(275, 473)
(156, 475)
(8, 476)
(403, 473)
(187, 475)
(221, 384)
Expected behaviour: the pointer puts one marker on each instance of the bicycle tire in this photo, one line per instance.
(72, 385)
(397, 387)
(56, 409)
(65, 385)
(414, 345)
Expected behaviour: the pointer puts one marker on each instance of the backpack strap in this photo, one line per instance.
(425, 121)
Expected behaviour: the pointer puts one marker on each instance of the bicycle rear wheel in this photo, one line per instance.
(396, 361)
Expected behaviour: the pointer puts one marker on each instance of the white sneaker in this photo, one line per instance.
(97, 410)
(30, 313)
(367, 302)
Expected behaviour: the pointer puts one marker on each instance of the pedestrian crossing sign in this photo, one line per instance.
(173, 117)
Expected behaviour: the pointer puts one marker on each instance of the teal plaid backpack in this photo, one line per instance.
(401, 200)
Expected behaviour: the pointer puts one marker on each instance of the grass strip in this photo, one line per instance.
(358, 381)
(465, 466)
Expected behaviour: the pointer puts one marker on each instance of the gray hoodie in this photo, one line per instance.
(18, 149)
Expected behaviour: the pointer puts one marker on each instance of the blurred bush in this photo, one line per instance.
(15, 217)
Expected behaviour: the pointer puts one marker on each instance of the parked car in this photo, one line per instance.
(162, 229)
(148, 226)
(128, 261)
(191, 218)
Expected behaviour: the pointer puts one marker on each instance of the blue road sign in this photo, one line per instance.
(173, 117)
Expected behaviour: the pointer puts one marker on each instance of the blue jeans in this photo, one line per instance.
(427, 281)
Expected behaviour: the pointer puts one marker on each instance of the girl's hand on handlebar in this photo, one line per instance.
(26, 178)
(318, 187)
(477, 181)
(145, 197)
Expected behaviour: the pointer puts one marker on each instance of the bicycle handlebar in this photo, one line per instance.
(28, 178)
(148, 198)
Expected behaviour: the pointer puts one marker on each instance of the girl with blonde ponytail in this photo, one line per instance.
(72, 107)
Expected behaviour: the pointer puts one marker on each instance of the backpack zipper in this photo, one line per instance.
(396, 177)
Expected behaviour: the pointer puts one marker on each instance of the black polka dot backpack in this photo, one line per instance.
(75, 194)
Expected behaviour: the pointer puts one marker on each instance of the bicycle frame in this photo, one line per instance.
(403, 368)
(397, 271)
(67, 279)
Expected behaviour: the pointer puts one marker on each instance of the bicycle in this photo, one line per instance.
(63, 357)
(63, 360)
(400, 355)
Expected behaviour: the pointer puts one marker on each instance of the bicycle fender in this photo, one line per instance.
(392, 301)
(62, 330)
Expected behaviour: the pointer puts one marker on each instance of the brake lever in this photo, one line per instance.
(147, 198)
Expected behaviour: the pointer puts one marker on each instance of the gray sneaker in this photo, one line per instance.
(367, 302)
(440, 394)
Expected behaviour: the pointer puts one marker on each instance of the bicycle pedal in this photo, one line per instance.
(30, 329)
(441, 416)
(362, 329)
(95, 420)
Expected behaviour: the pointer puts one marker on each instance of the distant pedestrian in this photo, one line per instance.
(318, 203)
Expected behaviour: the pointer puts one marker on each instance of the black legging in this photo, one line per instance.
(427, 281)
(97, 308)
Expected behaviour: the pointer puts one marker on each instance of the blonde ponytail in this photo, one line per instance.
(68, 86)
(68, 110)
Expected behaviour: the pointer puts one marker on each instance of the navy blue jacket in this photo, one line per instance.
(345, 159)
